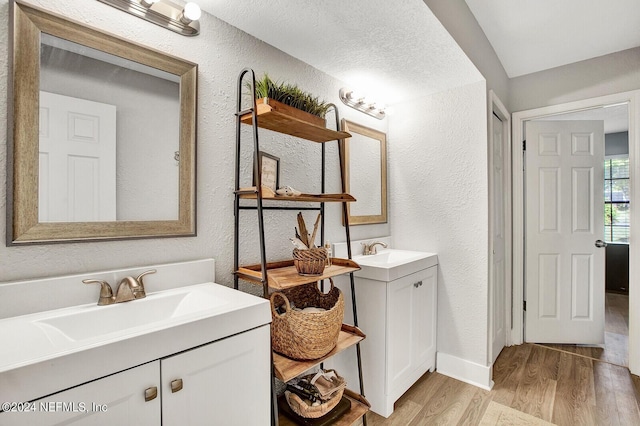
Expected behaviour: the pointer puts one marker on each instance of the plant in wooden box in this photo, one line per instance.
(291, 101)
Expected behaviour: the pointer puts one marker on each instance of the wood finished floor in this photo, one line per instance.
(560, 384)
(558, 387)
(616, 336)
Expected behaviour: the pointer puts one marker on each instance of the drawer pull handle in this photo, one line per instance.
(176, 385)
(150, 393)
(418, 284)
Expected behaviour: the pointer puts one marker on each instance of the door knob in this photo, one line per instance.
(600, 244)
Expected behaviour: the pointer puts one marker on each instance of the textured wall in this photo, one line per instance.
(438, 159)
(614, 73)
(221, 52)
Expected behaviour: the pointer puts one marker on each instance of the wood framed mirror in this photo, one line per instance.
(87, 87)
(365, 168)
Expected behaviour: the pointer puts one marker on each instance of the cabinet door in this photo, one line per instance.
(399, 329)
(424, 302)
(411, 329)
(227, 382)
(118, 399)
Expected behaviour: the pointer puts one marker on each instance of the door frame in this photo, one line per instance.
(632, 98)
(497, 107)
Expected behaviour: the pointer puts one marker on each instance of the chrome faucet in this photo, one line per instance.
(369, 249)
(129, 289)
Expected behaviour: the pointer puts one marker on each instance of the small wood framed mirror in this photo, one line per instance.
(365, 173)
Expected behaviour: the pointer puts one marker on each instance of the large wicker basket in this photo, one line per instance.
(311, 261)
(306, 335)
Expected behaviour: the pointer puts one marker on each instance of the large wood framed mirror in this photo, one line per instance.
(365, 173)
(102, 135)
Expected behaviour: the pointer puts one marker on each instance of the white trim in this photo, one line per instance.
(465, 371)
(497, 107)
(518, 119)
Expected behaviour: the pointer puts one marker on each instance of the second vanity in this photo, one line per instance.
(397, 305)
(182, 355)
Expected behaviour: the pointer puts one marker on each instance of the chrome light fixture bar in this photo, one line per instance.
(359, 102)
(180, 19)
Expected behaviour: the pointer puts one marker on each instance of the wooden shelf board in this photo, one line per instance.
(268, 194)
(273, 119)
(359, 407)
(287, 368)
(283, 275)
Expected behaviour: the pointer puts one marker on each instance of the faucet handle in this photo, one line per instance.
(106, 293)
(140, 293)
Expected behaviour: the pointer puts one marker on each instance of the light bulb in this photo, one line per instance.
(191, 12)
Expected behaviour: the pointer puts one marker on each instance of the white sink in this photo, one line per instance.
(391, 264)
(89, 322)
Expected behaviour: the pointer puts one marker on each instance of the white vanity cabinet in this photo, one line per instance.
(224, 382)
(400, 319)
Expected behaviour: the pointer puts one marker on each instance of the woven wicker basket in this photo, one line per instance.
(306, 335)
(303, 409)
(311, 261)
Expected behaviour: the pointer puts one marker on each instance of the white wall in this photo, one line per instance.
(605, 75)
(439, 190)
(221, 52)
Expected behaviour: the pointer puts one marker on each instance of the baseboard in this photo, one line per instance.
(465, 371)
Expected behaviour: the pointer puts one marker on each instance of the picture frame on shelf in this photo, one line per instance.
(269, 166)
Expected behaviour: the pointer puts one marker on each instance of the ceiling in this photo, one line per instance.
(534, 35)
(395, 51)
(391, 51)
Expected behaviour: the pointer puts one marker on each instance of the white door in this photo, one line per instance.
(77, 177)
(564, 270)
(497, 289)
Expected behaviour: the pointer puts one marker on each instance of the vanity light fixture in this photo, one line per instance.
(357, 101)
(180, 19)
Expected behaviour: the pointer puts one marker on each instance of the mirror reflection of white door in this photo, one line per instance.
(564, 270)
(77, 167)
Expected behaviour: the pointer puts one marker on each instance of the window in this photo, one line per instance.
(616, 199)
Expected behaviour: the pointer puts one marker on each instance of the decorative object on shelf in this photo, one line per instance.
(362, 104)
(315, 395)
(269, 167)
(165, 13)
(288, 191)
(307, 257)
(290, 94)
(310, 261)
(306, 335)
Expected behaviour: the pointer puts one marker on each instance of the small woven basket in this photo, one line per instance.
(306, 335)
(310, 261)
(303, 409)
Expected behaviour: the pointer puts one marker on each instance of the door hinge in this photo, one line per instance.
(524, 305)
(524, 145)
